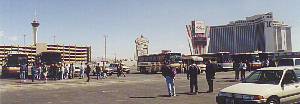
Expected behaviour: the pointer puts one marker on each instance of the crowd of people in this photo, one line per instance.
(43, 72)
(169, 74)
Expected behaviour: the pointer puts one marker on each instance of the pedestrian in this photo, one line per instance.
(51, 71)
(119, 70)
(56, 70)
(71, 69)
(81, 71)
(169, 75)
(236, 70)
(98, 71)
(44, 72)
(23, 68)
(267, 63)
(33, 72)
(39, 71)
(210, 71)
(104, 72)
(192, 75)
(242, 68)
(87, 72)
(66, 71)
(26, 72)
(61, 72)
(122, 70)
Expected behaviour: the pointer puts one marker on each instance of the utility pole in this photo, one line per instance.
(105, 36)
(24, 41)
(54, 41)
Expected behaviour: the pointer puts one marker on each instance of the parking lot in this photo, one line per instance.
(133, 89)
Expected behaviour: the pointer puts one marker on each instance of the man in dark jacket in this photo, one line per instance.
(210, 74)
(98, 71)
(192, 74)
(169, 75)
(87, 72)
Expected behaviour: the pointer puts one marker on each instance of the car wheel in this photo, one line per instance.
(127, 72)
(273, 100)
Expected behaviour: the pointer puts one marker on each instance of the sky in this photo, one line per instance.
(86, 22)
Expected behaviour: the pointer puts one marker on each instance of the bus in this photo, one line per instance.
(153, 63)
(223, 59)
(12, 64)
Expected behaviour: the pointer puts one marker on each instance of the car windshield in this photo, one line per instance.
(264, 77)
(286, 62)
(113, 65)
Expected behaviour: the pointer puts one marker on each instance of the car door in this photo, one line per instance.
(290, 88)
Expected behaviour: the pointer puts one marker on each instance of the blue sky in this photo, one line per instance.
(85, 22)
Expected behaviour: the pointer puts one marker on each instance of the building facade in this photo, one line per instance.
(256, 33)
(69, 53)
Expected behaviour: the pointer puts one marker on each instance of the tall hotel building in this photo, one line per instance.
(256, 33)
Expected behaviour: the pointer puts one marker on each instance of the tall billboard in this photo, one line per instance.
(199, 27)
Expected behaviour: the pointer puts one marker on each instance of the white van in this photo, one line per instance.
(289, 62)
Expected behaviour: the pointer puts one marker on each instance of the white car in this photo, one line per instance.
(272, 85)
(114, 67)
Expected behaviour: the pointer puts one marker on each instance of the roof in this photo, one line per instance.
(278, 68)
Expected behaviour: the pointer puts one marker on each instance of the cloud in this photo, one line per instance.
(13, 38)
(1, 34)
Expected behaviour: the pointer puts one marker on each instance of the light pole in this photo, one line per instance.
(24, 41)
(105, 36)
(54, 42)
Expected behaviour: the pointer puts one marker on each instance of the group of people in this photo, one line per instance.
(240, 69)
(169, 74)
(41, 71)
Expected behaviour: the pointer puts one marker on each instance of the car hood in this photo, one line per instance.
(252, 89)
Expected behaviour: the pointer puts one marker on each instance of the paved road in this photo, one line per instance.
(133, 89)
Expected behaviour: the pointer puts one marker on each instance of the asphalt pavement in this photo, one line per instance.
(132, 89)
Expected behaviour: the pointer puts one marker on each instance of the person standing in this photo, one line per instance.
(66, 71)
(71, 73)
(61, 72)
(33, 72)
(44, 72)
(87, 72)
(192, 75)
(98, 71)
(81, 71)
(169, 75)
(122, 70)
(210, 75)
(243, 68)
(119, 70)
(236, 70)
(23, 68)
(56, 70)
(39, 71)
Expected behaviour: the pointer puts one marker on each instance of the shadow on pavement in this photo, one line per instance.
(142, 97)
(229, 81)
(163, 96)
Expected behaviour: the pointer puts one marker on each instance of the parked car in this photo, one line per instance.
(272, 85)
(114, 68)
(77, 70)
(289, 62)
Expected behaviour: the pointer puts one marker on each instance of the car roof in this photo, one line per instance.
(291, 58)
(279, 68)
